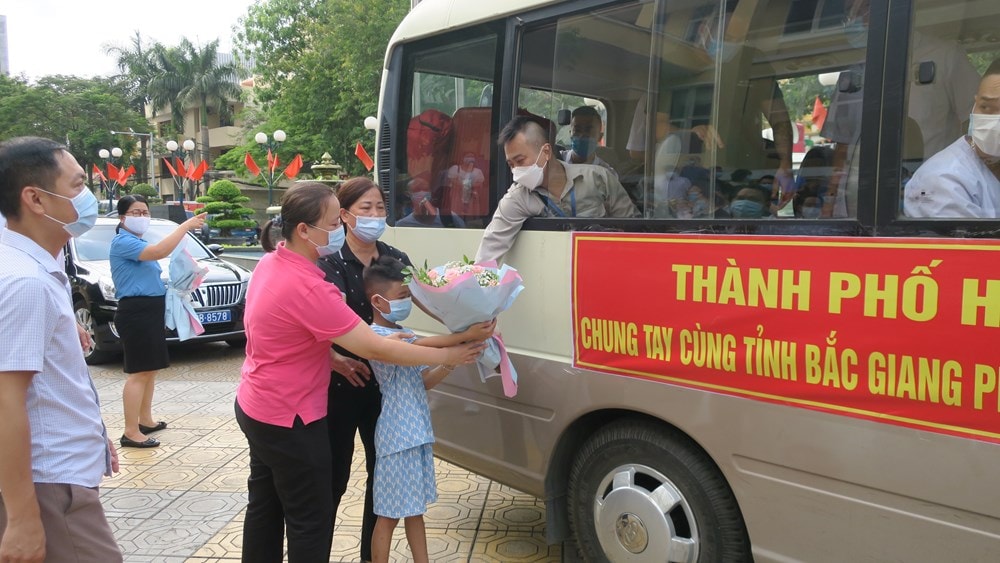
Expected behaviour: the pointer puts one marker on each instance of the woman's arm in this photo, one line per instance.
(163, 248)
(363, 341)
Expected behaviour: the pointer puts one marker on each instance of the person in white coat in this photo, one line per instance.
(963, 180)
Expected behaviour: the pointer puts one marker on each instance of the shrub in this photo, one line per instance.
(225, 201)
(145, 190)
(224, 190)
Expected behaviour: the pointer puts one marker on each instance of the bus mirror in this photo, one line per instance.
(925, 72)
(564, 116)
(849, 81)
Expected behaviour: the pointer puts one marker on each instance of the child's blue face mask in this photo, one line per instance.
(399, 309)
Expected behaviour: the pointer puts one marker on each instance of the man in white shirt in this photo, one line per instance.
(938, 107)
(54, 447)
(545, 187)
(963, 180)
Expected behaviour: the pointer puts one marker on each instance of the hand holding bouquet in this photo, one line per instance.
(461, 294)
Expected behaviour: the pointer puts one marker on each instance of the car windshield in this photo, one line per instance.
(96, 243)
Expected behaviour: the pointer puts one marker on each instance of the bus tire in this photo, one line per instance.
(639, 491)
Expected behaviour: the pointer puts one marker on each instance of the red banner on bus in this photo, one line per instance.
(901, 331)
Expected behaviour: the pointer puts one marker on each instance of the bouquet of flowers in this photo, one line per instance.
(462, 293)
(185, 277)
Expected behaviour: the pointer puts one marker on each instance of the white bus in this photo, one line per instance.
(791, 353)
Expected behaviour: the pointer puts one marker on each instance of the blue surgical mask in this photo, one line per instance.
(746, 209)
(811, 212)
(723, 51)
(335, 240)
(856, 33)
(583, 146)
(399, 309)
(368, 229)
(85, 204)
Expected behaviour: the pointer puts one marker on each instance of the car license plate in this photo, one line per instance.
(210, 317)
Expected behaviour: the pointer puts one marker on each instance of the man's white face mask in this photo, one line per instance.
(984, 129)
(530, 176)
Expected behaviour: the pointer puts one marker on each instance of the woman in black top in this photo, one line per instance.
(355, 399)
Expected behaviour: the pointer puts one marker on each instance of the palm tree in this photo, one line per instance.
(136, 64)
(187, 76)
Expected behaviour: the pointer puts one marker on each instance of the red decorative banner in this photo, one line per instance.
(900, 331)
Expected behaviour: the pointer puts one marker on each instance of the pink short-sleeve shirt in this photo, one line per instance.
(291, 315)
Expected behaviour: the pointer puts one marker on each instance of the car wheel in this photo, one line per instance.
(237, 342)
(95, 355)
(642, 492)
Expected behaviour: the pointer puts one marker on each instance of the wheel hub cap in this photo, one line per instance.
(632, 533)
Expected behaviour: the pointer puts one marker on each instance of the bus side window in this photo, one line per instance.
(942, 175)
(590, 67)
(444, 170)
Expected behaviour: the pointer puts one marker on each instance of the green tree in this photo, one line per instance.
(79, 112)
(225, 201)
(319, 65)
(137, 68)
(188, 76)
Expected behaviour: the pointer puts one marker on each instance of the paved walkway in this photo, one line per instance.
(185, 500)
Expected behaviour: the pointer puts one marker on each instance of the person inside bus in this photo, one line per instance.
(938, 107)
(750, 202)
(545, 187)
(963, 180)
(586, 130)
(423, 213)
(734, 134)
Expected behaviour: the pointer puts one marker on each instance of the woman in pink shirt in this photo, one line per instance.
(292, 316)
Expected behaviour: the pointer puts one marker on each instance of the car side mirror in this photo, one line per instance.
(216, 249)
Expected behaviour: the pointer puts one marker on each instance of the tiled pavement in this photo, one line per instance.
(185, 500)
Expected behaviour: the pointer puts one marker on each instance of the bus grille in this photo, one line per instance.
(220, 295)
(382, 161)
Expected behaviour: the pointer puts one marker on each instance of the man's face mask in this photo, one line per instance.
(746, 209)
(530, 176)
(984, 130)
(583, 146)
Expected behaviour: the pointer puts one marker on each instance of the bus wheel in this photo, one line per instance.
(641, 492)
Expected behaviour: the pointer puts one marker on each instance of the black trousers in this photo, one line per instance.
(351, 410)
(289, 486)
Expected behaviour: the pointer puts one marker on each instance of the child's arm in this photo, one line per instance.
(433, 376)
(475, 333)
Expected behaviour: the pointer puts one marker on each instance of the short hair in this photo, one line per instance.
(383, 271)
(586, 111)
(354, 189)
(304, 203)
(26, 161)
(533, 131)
(993, 69)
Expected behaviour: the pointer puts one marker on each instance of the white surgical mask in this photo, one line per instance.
(530, 176)
(984, 129)
(138, 225)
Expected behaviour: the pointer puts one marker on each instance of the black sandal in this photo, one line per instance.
(150, 429)
(148, 443)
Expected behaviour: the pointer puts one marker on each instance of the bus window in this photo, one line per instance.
(944, 172)
(582, 76)
(445, 177)
(740, 119)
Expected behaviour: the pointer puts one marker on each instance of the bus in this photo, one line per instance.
(788, 351)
